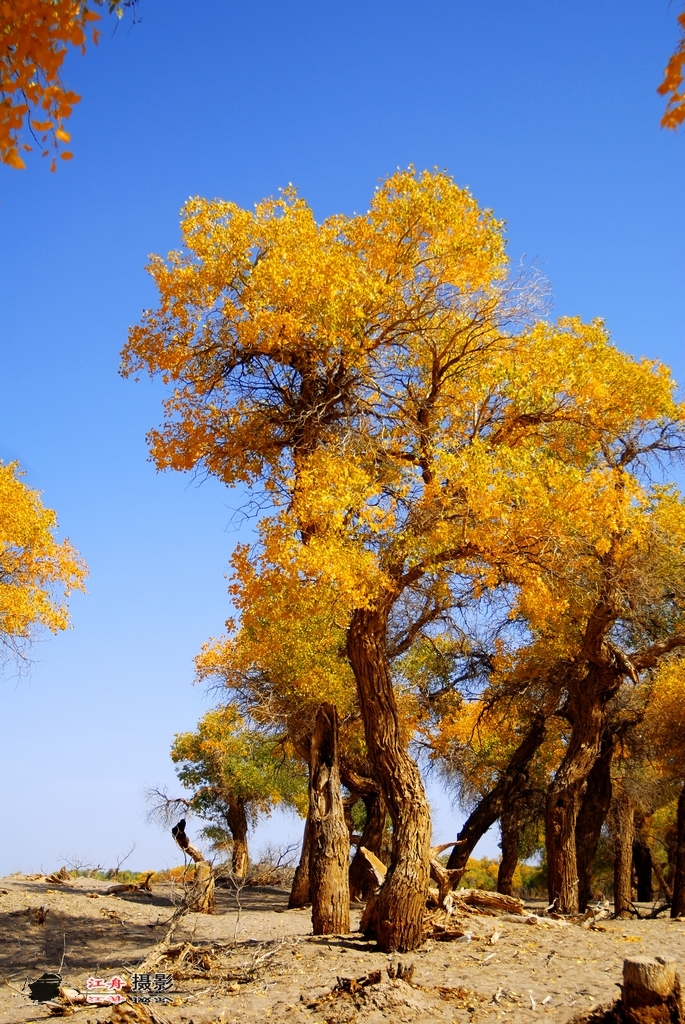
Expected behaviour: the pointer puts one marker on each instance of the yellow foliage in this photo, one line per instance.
(36, 572)
(285, 657)
(672, 85)
(665, 721)
(36, 35)
(412, 422)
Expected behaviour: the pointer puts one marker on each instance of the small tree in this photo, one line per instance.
(235, 773)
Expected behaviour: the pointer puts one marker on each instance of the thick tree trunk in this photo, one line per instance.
(510, 824)
(363, 882)
(329, 854)
(622, 828)
(678, 901)
(565, 793)
(491, 807)
(642, 861)
(650, 993)
(299, 894)
(236, 818)
(396, 917)
(594, 808)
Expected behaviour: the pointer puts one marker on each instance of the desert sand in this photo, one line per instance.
(260, 962)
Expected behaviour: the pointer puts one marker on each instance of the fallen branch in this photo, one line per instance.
(143, 886)
(486, 900)
(377, 866)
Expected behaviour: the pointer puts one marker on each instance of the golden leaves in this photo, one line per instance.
(671, 86)
(412, 425)
(36, 572)
(36, 35)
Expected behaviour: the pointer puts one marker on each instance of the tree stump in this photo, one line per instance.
(651, 992)
(201, 895)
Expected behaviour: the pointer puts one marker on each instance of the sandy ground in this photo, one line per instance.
(269, 967)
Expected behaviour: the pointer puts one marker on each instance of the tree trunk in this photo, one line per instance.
(201, 892)
(622, 827)
(678, 901)
(329, 854)
(493, 804)
(396, 917)
(510, 824)
(566, 790)
(650, 993)
(642, 861)
(594, 808)
(363, 882)
(200, 896)
(236, 818)
(299, 894)
(666, 889)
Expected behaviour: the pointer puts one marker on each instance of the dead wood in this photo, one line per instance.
(363, 882)
(486, 900)
(375, 863)
(179, 834)
(441, 934)
(200, 897)
(143, 886)
(354, 984)
(650, 994)
(137, 1013)
(435, 851)
(595, 914)
(651, 991)
(405, 972)
(299, 893)
(58, 877)
(445, 878)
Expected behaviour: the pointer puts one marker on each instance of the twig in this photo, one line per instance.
(122, 860)
(13, 987)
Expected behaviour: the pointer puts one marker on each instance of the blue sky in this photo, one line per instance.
(546, 110)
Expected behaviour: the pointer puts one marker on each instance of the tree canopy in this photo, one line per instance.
(37, 573)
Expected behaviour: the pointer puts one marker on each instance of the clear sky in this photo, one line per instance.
(547, 110)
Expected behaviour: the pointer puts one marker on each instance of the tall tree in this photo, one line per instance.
(37, 573)
(381, 378)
